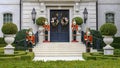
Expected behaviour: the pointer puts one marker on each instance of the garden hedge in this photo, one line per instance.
(97, 39)
(2, 40)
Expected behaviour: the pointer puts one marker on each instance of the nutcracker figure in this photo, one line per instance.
(74, 30)
(46, 29)
(30, 39)
(89, 39)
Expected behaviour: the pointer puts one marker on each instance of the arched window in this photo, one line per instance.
(109, 17)
(7, 17)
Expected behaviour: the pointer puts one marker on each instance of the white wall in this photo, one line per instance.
(91, 8)
(27, 17)
(109, 6)
(28, 6)
(9, 6)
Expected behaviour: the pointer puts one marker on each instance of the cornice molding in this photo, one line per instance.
(58, 0)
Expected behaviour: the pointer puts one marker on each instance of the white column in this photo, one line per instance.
(41, 35)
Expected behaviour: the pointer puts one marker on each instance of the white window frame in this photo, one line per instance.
(111, 17)
(8, 17)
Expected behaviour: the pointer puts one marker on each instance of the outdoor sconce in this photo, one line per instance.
(33, 13)
(85, 13)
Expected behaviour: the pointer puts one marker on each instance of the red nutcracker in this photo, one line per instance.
(74, 30)
(30, 39)
(89, 39)
(46, 28)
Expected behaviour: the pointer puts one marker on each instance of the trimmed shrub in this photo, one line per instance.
(78, 20)
(9, 28)
(116, 40)
(117, 52)
(40, 21)
(99, 56)
(108, 29)
(29, 56)
(19, 55)
(97, 39)
(20, 39)
(2, 40)
(21, 35)
(116, 45)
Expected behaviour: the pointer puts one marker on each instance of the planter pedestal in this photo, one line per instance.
(9, 49)
(108, 50)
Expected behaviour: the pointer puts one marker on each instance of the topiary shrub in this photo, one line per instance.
(21, 35)
(97, 39)
(108, 29)
(116, 40)
(40, 21)
(78, 20)
(20, 39)
(2, 41)
(9, 28)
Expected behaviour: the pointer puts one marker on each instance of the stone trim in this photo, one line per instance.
(9, 4)
(58, 0)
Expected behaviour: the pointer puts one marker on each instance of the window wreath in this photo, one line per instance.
(64, 21)
(54, 21)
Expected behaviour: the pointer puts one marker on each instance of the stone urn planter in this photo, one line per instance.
(108, 50)
(108, 30)
(9, 49)
(9, 30)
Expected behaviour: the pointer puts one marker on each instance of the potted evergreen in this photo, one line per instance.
(9, 30)
(40, 22)
(108, 30)
(79, 22)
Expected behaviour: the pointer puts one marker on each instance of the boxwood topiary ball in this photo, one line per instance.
(108, 29)
(40, 21)
(9, 28)
(78, 20)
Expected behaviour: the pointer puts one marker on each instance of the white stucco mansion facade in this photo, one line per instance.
(99, 12)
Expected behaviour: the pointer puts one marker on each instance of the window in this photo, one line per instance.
(7, 17)
(109, 17)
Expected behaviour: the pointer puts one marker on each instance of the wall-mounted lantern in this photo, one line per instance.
(85, 13)
(33, 13)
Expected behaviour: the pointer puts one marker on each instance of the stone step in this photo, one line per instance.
(58, 55)
(58, 58)
(58, 50)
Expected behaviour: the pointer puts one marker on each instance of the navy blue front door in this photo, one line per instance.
(59, 25)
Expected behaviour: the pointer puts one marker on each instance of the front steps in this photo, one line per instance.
(59, 51)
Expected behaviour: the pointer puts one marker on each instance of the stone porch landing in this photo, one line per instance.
(59, 51)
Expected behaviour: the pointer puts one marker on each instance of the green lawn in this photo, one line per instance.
(61, 64)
